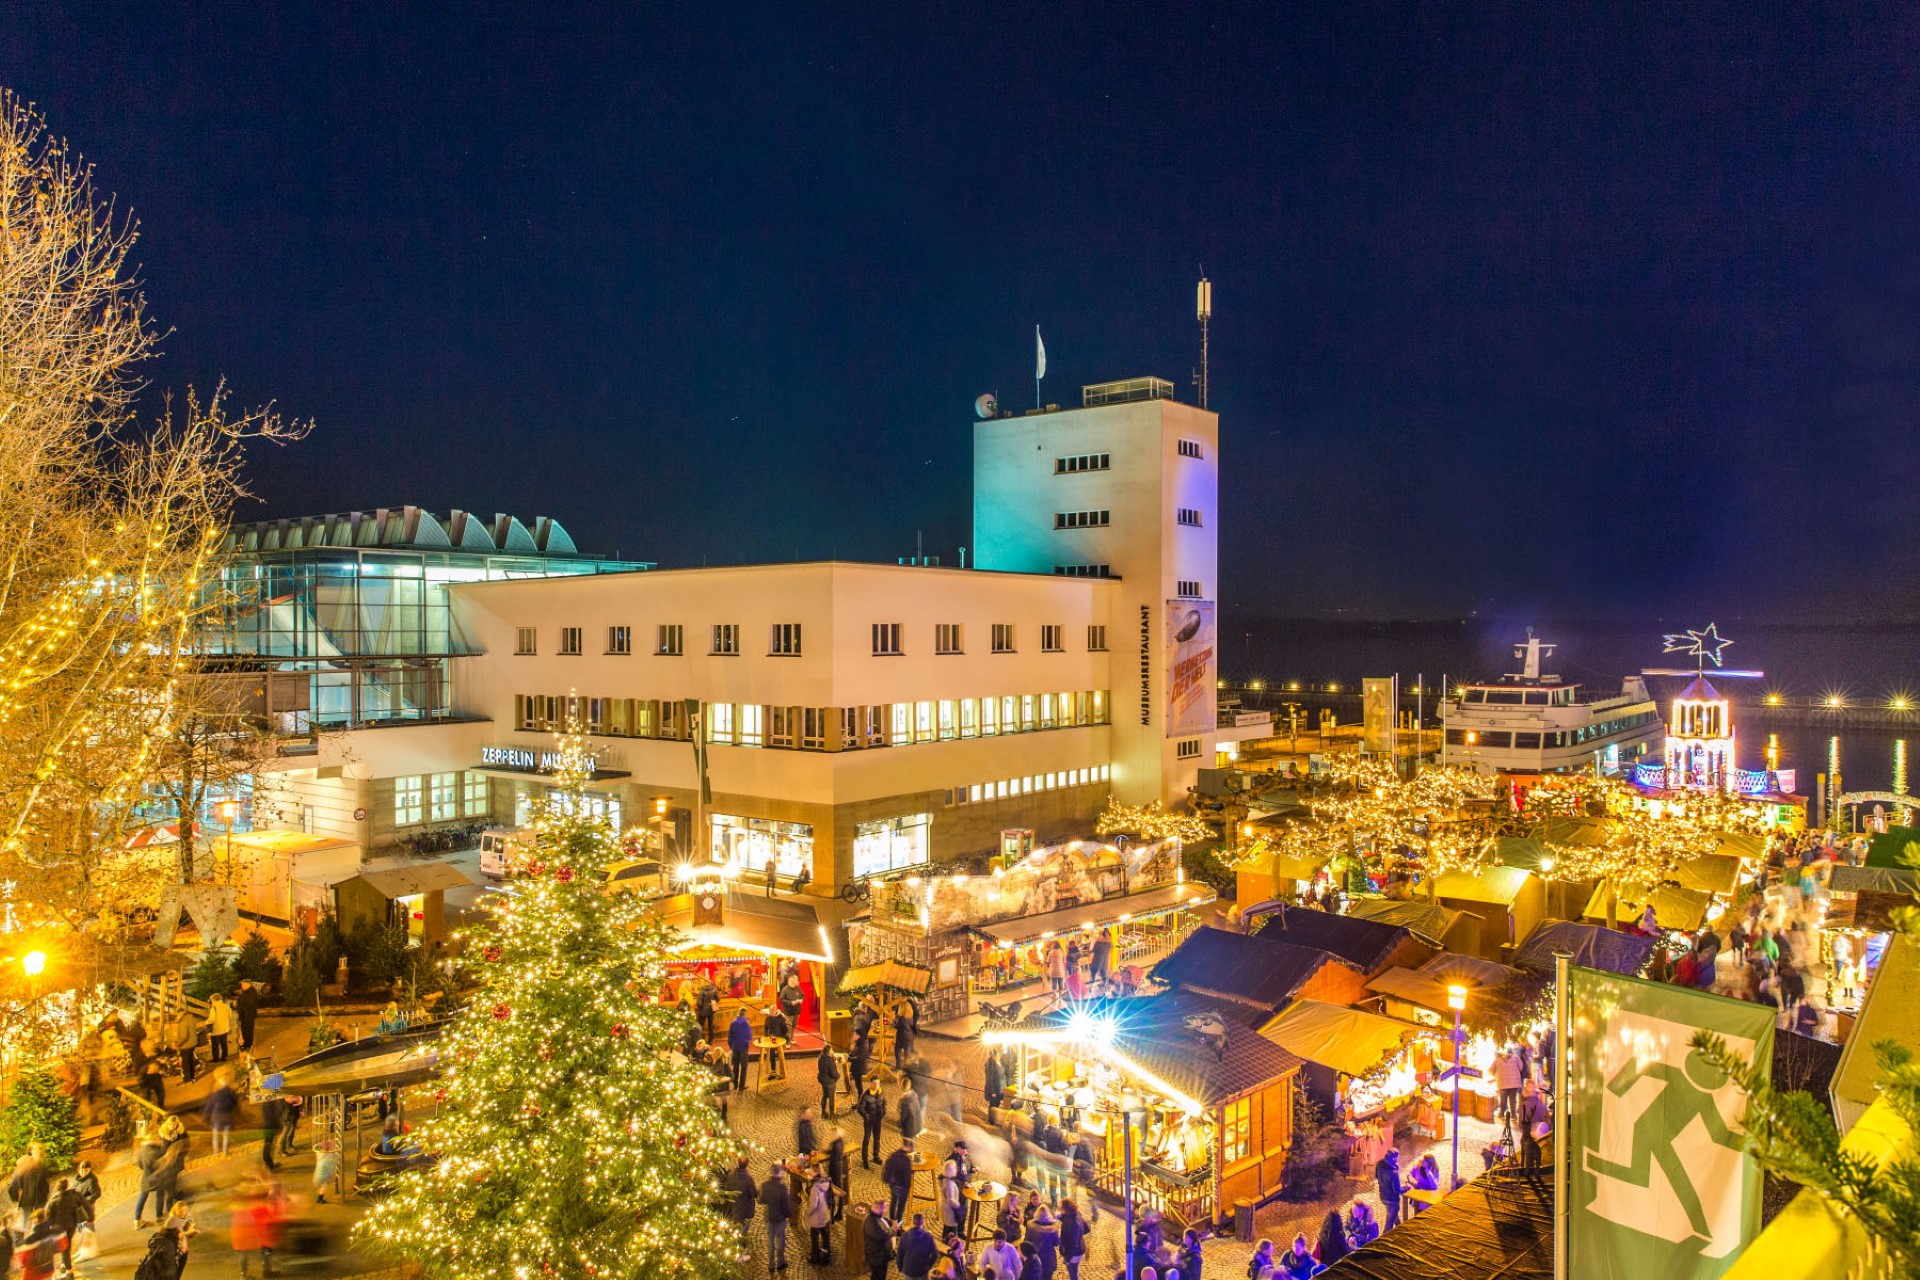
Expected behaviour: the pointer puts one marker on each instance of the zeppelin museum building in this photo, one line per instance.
(842, 719)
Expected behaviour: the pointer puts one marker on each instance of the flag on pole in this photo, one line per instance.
(1658, 1183)
(1039, 355)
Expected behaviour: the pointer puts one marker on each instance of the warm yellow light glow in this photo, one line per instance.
(1835, 700)
(1456, 997)
(228, 810)
(34, 962)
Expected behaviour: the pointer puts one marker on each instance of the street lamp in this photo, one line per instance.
(228, 811)
(1457, 1001)
(1129, 1103)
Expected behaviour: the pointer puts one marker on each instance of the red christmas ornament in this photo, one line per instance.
(680, 1141)
(493, 955)
(619, 1031)
(564, 875)
(502, 1012)
(535, 868)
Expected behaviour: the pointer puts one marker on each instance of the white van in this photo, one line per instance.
(499, 846)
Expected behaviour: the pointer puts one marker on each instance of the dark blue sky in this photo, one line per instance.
(1514, 309)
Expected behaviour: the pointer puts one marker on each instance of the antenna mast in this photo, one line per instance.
(1203, 308)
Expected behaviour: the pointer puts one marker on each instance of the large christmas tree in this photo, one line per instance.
(571, 1142)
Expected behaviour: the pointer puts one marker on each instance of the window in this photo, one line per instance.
(1186, 749)
(902, 717)
(969, 718)
(813, 728)
(527, 640)
(989, 717)
(1084, 570)
(1190, 587)
(726, 639)
(570, 641)
(780, 725)
(1080, 462)
(619, 640)
(1526, 742)
(1236, 1131)
(444, 793)
(1052, 639)
(946, 637)
(719, 722)
(1191, 449)
(1003, 637)
(407, 801)
(671, 637)
(1187, 516)
(890, 844)
(886, 639)
(1100, 710)
(1029, 714)
(746, 844)
(1081, 519)
(476, 800)
(949, 720)
(786, 640)
(1096, 639)
(752, 719)
(923, 722)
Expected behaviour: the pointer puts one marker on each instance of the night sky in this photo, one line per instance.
(1513, 309)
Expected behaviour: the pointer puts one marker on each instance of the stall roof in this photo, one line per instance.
(1414, 987)
(1850, 879)
(899, 976)
(1741, 846)
(1105, 911)
(1673, 907)
(1361, 942)
(1255, 970)
(773, 926)
(1591, 945)
(1497, 1227)
(1497, 886)
(1151, 1034)
(1472, 970)
(1709, 873)
(1889, 847)
(1888, 1013)
(402, 882)
(1349, 1040)
(289, 842)
(1428, 920)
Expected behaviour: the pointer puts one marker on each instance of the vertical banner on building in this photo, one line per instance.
(1658, 1183)
(1191, 662)
(1377, 707)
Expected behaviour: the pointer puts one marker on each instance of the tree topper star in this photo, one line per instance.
(1704, 645)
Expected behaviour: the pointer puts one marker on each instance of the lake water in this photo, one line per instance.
(1861, 662)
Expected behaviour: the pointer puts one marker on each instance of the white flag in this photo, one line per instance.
(1039, 355)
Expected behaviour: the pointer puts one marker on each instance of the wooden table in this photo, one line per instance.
(976, 1194)
(923, 1163)
(1425, 1199)
(768, 1046)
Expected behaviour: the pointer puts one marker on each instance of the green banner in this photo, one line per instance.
(1657, 1179)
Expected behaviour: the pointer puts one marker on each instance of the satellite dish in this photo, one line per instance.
(987, 405)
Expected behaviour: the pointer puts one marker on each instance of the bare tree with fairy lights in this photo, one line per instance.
(572, 1141)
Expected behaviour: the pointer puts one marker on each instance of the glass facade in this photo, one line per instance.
(890, 844)
(746, 843)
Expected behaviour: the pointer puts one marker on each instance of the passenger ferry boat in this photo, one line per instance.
(1533, 722)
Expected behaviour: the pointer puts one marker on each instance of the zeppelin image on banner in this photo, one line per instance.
(1190, 668)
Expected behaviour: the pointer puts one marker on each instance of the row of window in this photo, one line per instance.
(439, 797)
(1082, 519)
(984, 792)
(1189, 516)
(753, 724)
(1190, 449)
(1186, 749)
(1083, 570)
(1503, 739)
(783, 639)
(1080, 462)
(1188, 587)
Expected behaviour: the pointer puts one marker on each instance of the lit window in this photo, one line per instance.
(969, 717)
(719, 722)
(1236, 1131)
(476, 801)
(949, 720)
(902, 724)
(526, 640)
(751, 718)
(923, 722)
(989, 717)
(444, 793)
(407, 801)
(1029, 717)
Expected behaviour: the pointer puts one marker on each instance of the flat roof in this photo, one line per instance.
(785, 566)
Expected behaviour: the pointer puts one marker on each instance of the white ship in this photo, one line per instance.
(1533, 722)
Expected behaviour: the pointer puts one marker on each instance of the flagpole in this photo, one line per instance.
(1562, 1209)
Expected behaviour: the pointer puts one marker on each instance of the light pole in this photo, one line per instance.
(228, 811)
(1128, 1104)
(1457, 1001)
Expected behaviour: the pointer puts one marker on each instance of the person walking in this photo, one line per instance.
(871, 1107)
(1073, 1238)
(1102, 961)
(146, 1158)
(1386, 1179)
(740, 1041)
(272, 1116)
(876, 1241)
(897, 1176)
(826, 1070)
(952, 1214)
(183, 1037)
(246, 1012)
(30, 1185)
(67, 1211)
(706, 1005)
(859, 1061)
(919, 1251)
(741, 1187)
(806, 1135)
(218, 1110)
(219, 1024)
(911, 1116)
(153, 1084)
(903, 1033)
(1044, 1236)
(820, 1220)
(776, 1200)
(996, 1082)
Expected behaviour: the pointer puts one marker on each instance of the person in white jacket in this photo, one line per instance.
(820, 1220)
(219, 1023)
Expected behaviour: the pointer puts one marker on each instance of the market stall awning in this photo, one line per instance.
(1257, 971)
(1497, 1227)
(1741, 846)
(1363, 943)
(1094, 914)
(894, 975)
(1496, 886)
(1412, 986)
(756, 926)
(404, 882)
(1428, 920)
(1349, 1040)
(1850, 879)
(1480, 974)
(1673, 908)
(1594, 946)
(1709, 873)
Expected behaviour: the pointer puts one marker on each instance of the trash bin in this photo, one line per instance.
(1243, 1219)
(840, 1029)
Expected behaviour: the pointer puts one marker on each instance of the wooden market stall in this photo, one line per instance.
(1334, 1042)
(1590, 945)
(1674, 908)
(1258, 975)
(887, 987)
(1369, 945)
(1443, 927)
(1420, 995)
(1213, 1099)
(410, 894)
(743, 943)
(1511, 902)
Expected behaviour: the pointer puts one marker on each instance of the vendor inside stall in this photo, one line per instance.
(758, 953)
